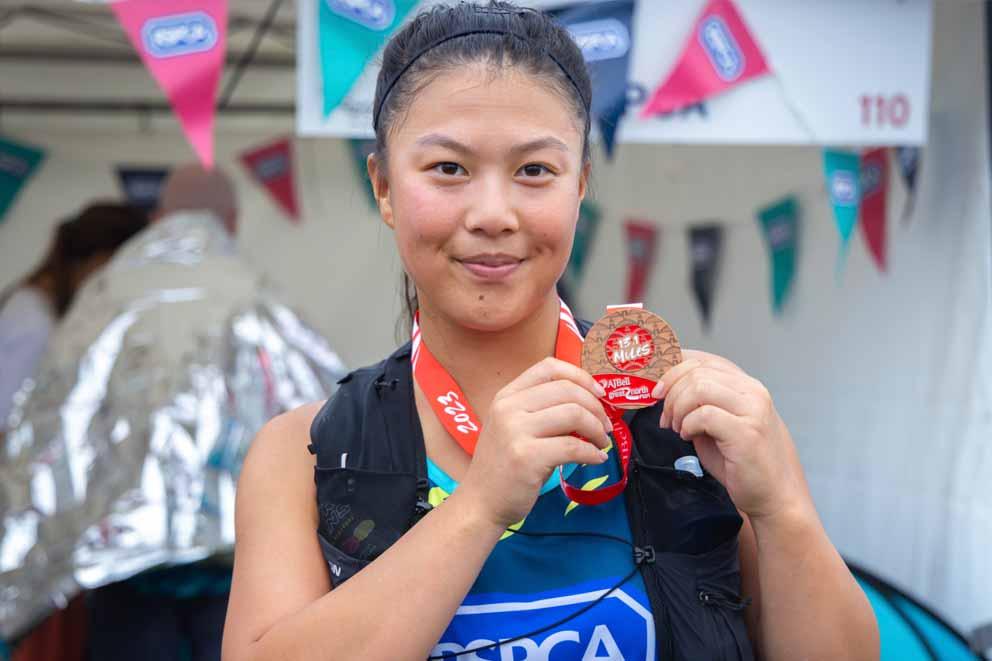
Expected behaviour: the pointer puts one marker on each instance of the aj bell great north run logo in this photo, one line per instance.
(179, 34)
(604, 39)
(619, 628)
(373, 14)
(722, 49)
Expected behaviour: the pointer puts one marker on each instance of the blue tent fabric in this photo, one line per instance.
(909, 630)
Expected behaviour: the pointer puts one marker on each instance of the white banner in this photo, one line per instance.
(844, 72)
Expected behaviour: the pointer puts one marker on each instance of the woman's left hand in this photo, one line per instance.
(740, 439)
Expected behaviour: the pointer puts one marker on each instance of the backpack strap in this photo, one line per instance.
(371, 472)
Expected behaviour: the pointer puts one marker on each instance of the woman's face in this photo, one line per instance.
(485, 176)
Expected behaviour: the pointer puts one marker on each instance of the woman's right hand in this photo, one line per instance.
(528, 434)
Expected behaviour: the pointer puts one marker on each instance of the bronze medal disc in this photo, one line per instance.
(627, 352)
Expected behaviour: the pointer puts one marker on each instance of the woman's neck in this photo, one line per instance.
(482, 362)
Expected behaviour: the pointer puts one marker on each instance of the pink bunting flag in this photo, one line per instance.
(874, 190)
(272, 166)
(182, 43)
(641, 240)
(719, 54)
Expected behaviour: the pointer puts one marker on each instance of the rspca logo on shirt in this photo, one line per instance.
(843, 188)
(618, 628)
(720, 46)
(179, 34)
(373, 14)
(605, 39)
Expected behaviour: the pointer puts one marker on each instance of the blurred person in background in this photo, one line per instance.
(120, 466)
(29, 311)
(176, 611)
(31, 308)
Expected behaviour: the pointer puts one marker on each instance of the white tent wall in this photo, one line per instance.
(884, 379)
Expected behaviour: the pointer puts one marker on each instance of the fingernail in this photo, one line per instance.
(604, 455)
(599, 390)
(658, 389)
(607, 427)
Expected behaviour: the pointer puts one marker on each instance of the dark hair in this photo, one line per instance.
(99, 229)
(499, 33)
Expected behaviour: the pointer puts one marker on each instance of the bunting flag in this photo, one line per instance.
(18, 163)
(780, 226)
(843, 172)
(351, 32)
(641, 240)
(585, 232)
(874, 190)
(603, 32)
(719, 54)
(909, 165)
(272, 166)
(182, 43)
(360, 151)
(142, 184)
(705, 246)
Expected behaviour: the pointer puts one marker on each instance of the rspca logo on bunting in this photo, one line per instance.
(871, 180)
(272, 167)
(179, 34)
(843, 188)
(720, 46)
(373, 14)
(619, 628)
(605, 39)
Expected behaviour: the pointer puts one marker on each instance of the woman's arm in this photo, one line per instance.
(811, 607)
(281, 604)
(398, 606)
(807, 604)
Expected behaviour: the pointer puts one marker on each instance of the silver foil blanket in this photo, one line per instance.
(124, 453)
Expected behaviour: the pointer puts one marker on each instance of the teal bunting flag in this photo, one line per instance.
(843, 172)
(780, 226)
(360, 150)
(351, 33)
(18, 163)
(585, 232)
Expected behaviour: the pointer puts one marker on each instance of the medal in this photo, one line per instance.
(627, 352)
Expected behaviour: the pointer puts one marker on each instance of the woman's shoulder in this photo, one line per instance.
(279, 451)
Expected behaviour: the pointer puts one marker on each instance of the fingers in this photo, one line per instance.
(569, 418)
(711, 421)
(560, 450)
(552, 393)
(552, 369)
(691, 359)
(705, 385)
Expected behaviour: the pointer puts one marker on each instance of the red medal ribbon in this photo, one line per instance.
(456, 415)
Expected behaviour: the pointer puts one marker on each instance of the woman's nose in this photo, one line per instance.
(491, 210)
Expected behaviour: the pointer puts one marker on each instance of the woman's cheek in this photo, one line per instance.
(424, 223)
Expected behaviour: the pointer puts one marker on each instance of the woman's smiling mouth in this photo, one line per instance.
(491, 266)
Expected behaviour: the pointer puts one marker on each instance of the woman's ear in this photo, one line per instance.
(584, 180)
(380, 188)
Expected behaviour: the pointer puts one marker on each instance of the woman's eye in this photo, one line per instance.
(449, 169)
(534, 170)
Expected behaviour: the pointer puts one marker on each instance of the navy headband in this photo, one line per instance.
(422, 51)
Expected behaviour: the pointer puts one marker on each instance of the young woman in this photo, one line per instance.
(482, 121)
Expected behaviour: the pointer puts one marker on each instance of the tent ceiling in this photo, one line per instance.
(72, 57)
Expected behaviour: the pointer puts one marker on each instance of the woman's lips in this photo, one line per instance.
(491, 270)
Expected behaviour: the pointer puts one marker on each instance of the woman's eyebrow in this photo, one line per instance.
(541, 143)
(440, 140)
